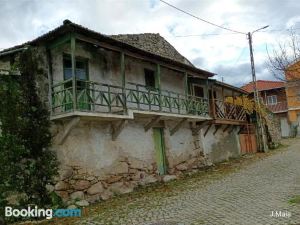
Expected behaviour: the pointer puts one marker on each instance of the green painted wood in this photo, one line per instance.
(157, 78)
(122, 67)
(186, 88)
(73, 60)
(158, 136)
(91, 94)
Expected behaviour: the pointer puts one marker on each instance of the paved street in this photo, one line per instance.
(245, 196)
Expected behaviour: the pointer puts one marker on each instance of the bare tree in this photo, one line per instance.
(283, 56)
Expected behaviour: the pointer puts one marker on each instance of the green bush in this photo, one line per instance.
(27, 163)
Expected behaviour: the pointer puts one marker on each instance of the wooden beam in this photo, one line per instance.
(230, 122)
(226, 128)
(131, 54)
(122, 68)
(240, 130)
(157, 80)
(186, 88)
(67, 129)
(151, 123)
(217, 127)
(50, 80)
(59, 41)
(116, 130)
(195, 130)
(73, 61)
(207, 129)
(177, 126)
(231, 129)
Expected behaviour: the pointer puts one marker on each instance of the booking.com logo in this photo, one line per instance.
(45, 213)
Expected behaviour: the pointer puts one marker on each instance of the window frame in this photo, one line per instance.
(77, 59)
(155, 87)
(272, 102)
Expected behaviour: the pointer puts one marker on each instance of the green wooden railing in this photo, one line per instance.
(98, 97)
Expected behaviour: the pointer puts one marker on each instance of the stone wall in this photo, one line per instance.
(274, 131)
(94, 167)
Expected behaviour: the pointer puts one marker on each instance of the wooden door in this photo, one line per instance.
(158, 134)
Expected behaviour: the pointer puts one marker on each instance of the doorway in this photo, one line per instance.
(158, 135)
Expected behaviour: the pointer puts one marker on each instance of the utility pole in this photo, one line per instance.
(260, 126)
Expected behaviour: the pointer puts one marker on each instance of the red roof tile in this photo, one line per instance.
(263, 85)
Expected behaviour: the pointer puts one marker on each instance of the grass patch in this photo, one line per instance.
(295, 200)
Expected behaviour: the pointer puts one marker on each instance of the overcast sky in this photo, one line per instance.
(216, 50)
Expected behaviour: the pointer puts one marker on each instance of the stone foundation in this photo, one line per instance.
(78, 187)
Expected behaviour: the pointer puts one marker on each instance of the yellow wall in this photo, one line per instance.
(293, 91)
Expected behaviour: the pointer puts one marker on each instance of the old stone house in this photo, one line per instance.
(128, 110)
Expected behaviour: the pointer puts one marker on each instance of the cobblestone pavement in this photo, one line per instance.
(245, 196)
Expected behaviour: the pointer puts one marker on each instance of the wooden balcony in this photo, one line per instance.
(89, 96)
(227, 113)
(279, 107)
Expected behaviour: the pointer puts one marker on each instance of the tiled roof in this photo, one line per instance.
(153, 43)
(170, 56)
(263, 85)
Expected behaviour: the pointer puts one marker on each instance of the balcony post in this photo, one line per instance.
(213, 102)
(186, 88)
(122, 69)
(207, 97)
(157, 84)
(73, 61)
(50, 81)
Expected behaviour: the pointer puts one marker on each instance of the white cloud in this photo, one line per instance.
(226, 54)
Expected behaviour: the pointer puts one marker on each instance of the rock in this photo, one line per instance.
(81, 185)
(95, 189)
(121, 188)
(93, 198)
(113, 179)
(72, 207)
(77, 195)
(49, 188)
(61, 186)
(148, 180)
(65, 173)
(168, 178)
(119, 168)
(63, 194)
(137, 164)
(90, 178)
(106, 194)
(82, 203)
(139, 175)
(14, 198)
(191, 162)
(182, 167)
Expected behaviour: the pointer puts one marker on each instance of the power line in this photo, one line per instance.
(203, 20)
(200, 35)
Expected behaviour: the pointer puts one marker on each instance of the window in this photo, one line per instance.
(272, 100)
(149, 78)
(198, 91)
(80, 70)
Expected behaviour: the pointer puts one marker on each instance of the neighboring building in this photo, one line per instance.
(292, 75)
(273, 95)
(128, 109)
